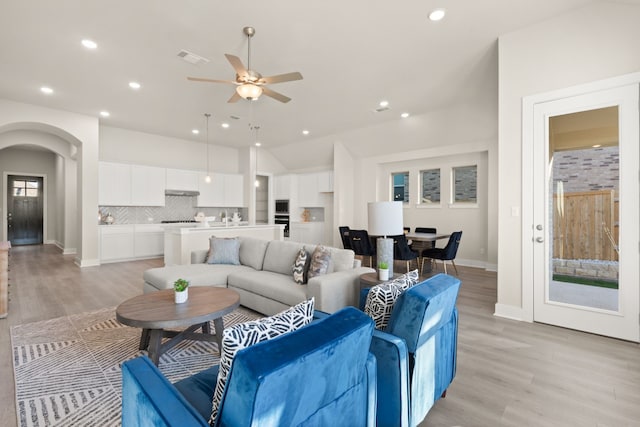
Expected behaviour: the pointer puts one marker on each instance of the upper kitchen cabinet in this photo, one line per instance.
(114, 184)
(147, 186)
(283, 186)
(325, 182)
(224, 190)
(308, 193)
(179, 179)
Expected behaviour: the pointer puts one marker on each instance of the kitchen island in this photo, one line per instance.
(179, 241)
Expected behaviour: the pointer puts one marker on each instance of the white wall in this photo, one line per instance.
(592, 43)
(128, 146)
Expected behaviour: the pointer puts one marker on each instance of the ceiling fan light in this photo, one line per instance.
(249, 91)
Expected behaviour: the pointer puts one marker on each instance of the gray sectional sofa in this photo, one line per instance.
(264, 278)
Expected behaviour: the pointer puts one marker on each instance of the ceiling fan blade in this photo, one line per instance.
(280, 78)
(237, 65)
(275, 95)
(235, 97)
(200, 79)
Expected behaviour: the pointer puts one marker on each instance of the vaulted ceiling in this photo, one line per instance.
(352, 54)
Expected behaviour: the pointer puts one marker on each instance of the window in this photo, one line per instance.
(430, 186)
(465, 184)
(25, 188)
(400, 187)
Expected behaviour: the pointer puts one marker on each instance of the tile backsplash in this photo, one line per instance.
(175, 208)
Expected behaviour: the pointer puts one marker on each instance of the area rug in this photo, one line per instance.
(67, 370)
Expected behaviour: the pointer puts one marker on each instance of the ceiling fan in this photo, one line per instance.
(249, 83)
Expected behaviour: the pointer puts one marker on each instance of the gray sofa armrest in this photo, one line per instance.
(198, 257)
(336, 290)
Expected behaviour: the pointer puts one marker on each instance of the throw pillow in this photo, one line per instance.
(299, 266)
(320, 260)
(381, 298)
(223, 251)
(243, 335)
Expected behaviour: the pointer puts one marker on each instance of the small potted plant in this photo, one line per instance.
(181, 288)
(383, 271)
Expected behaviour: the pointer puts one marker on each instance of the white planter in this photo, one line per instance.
(181, 296)
(383, 274)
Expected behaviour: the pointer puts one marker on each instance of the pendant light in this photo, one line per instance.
(207, 178)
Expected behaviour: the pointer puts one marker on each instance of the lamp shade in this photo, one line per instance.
(385, 219)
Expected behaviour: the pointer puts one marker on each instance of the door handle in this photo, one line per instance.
(539, 239)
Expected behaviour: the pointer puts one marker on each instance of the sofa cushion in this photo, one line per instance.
(381, 298)
(224, 251)
(320, 260)
(243, 335)
(197, 274)
(270, 285)
(252, 252)
(280, 256)
(341, 259)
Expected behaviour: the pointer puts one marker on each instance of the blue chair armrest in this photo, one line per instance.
(392, 359)
(150, 400)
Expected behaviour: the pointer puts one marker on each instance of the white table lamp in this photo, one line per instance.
(385, 219)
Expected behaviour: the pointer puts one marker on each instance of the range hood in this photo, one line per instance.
(181, 193)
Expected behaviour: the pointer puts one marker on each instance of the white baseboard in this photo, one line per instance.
(86, 262)
(472, 263)
(69, 251)
(509, 312)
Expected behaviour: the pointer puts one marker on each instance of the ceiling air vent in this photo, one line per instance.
(381, 109)
(191, 57)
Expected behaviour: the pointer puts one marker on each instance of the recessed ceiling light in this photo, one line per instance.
(195, 131)
(89, 44)
(305, 132)
(47, 90)
(384, 103)
(134, 85)
(437, 15)
(258, 144)
(597, 145)
(225, 125)
(105, 113)
(404, 115)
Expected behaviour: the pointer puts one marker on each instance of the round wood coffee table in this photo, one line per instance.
(156, 311)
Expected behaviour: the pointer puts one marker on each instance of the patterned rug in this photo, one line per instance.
(67, 370)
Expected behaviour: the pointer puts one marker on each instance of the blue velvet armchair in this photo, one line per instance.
(416, 353)
(321, 374)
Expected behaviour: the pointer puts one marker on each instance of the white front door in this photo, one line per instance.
(585, 232)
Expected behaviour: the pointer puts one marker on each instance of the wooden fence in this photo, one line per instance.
(585, 225)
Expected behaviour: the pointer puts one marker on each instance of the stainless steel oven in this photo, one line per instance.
(282, 207)
(282, 219)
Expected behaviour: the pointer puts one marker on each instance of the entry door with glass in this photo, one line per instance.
(24, 210)
(586, 214)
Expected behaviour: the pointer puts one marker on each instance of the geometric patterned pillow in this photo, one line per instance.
(243, 335)
(299, 267)
(381, 298)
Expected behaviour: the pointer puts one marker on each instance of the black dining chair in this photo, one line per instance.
(427, 230)
(448, 253)
(402, 251)
(361, 244)
(344, 235)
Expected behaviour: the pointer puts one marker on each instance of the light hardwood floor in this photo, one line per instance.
(509, 373)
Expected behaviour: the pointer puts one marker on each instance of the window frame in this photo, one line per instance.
(453, 203)
(433, 205)
(406, 186)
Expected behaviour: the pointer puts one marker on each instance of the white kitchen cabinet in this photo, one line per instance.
(148, 240)
(308, 194)
(307, 232)
(114, 184)
(116, 242)
(180, 179)
(212, 193)
(282, 186)
(147, 186)
(325, 182)
(225, 190)
(234, 190)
